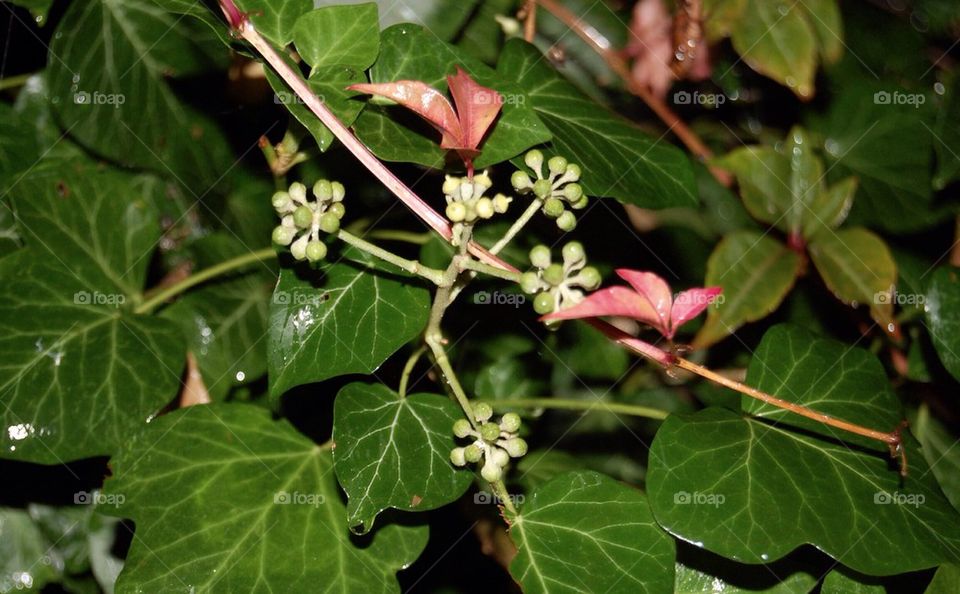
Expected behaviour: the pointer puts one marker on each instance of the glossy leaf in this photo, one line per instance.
(943, 316)
(756, 272)
(858, 268)
(347, 35)
(754, 488)
(394, 452)
(113, 96)
(830, 207)
(442, 18)
(585, 532)
(620, 160)
(736, 578)
(38, 8)
(938, 443)
(263, 511)
(346, 317)
(275, 19)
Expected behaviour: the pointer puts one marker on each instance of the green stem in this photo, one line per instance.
(12, 82)
(581, 405)
(474, 265)
(500, 490)
(163, 295)
(398, 235)
(517, 226)
(412, 266)
(408, 369)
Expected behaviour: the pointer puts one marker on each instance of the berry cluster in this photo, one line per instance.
(556, 191)
(466, 202)
(558, 286)
(494, 443)
(301, 216)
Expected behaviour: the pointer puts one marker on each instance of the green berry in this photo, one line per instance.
(316, 251)
(553, 207)
(337, 209)
(510, 422)
(573, 252)
(457, 457)
(572, 192)
(451, 184)
(590, 278)
(329, 222)
(482, 411)
(543, 303)
(303, 217)
(490, 432)
(499, 457)
(520, 180)
(557, 165)
(491, 472)
(472, 453)
(573, 172)
(501, 203)
(298, 192)
(462, 428)
(485, 208)
(540, 256)
(456, 212)
(516, 447)
(338, 191)
(542, 188)
(534, 160)
(323, 190)
(283, 235)
(567, 221)
(529, 281)
(581, 203)
(553, 274)
(281, 200)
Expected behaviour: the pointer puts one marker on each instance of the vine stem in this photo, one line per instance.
(517, 225)
(412, 266)
(581, 405)
(167, 293)
(530, 21)
(408, 369)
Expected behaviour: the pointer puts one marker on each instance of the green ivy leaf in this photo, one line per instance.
(946, 580)
(394, 452)
(943, 317)
(735, 578)
(836, 582)
(946, 135)
(348, 316)
(516, 129)
(620, 161)
(830, 207)
(763, 175)
(938, 447)
(275, 19)
(585, 532)
(347, 35)
(754, 488)
(112, 96)
(858, 268)
(442, 18)
(225, 321)
(263, 510)
(23, 548)
(19, 146)
(756, 273)
(776, 40)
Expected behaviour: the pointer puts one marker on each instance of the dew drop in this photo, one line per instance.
(241, 376)
(76, 78)
(938, 88)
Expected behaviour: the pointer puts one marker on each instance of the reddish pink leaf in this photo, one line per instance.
(477, 107)
(690, 303)
(614, 301)
(651, 46)
(654, 289)
(426, 101)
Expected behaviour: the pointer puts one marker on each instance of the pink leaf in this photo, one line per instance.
(477, 107)
(651, 46)
(426, 101)
(690, 303)
(614, 301)
(654, 289)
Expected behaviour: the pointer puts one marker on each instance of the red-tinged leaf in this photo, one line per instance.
(425, 101)
(613, 301)
(689, 304)
(477, 107)
(651, 46)
(654, 289)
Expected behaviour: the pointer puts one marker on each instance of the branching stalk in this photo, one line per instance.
(581, 405)
(412, 266)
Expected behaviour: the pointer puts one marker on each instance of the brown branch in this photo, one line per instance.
(530, 20)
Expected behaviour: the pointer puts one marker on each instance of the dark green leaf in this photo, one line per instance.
(830, 207)
(442, 18)
(836, 582)
(618, 159)
(345, 317)
(943, 316)
(394, 452)
(946, 580)
(754, 488)
(275, 19)
(938, 446)
(346, 35)
(946, 135)
(756, 273)
(38, 8)
(226, 499)
(585, 532)
(741, 579)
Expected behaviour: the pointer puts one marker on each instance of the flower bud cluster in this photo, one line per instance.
(493, 443)
(557, 191)
(306, 218)
(559, 285)
(466, 202)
